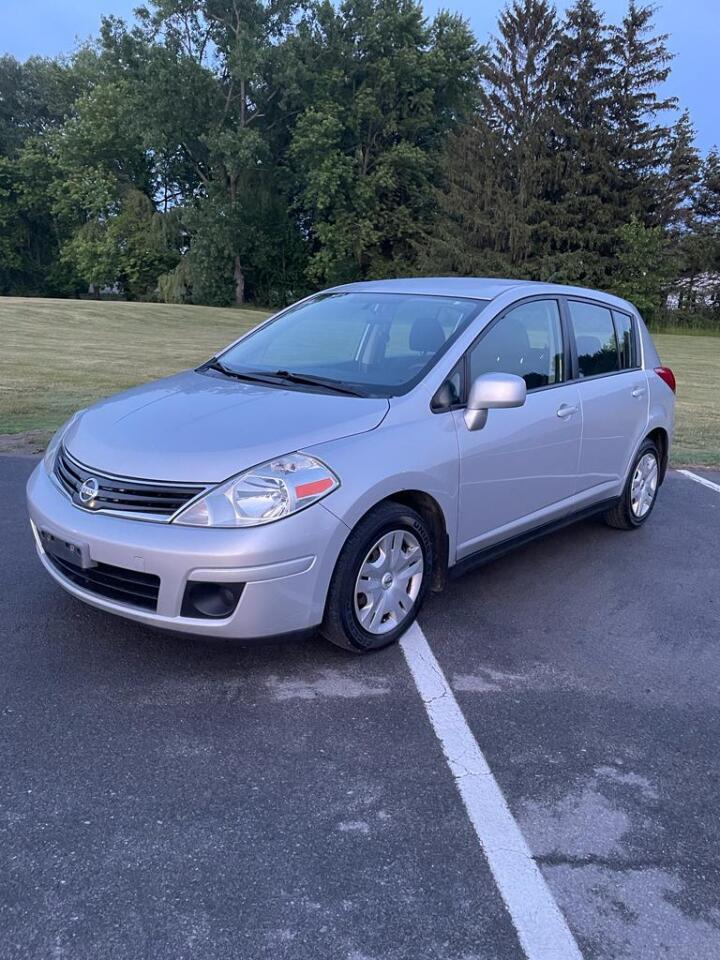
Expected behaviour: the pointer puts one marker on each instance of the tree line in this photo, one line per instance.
(232, 151)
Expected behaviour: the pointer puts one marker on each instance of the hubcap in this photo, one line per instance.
(644, 485)
(389, 581)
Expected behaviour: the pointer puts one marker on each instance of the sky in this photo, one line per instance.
(51, 27)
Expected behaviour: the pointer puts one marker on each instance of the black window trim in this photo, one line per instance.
(575, 368)
(572, 370)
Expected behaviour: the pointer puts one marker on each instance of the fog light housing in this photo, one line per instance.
(210, 601)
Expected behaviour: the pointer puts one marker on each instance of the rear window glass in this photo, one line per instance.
(626, 341)
(594, 338)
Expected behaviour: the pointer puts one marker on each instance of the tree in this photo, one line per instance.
(132, 247)
(583, 237)
(230, 56)
(642, 143)
(681, 177)
(469, 235)
(642, 267)
(36, 99)
(501, 169)
(217, 151)
(383, 87)
(185, 110)
(697, 248)
(520, 95)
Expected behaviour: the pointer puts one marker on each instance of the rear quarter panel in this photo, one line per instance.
(661, 399)
(661, 404)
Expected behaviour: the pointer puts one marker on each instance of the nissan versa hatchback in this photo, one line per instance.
(339, 461)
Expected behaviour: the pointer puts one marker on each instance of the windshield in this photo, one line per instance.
(378, 344)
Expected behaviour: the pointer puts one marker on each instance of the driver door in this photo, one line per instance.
(520, 469)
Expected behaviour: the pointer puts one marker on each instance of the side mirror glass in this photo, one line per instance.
(492, 391)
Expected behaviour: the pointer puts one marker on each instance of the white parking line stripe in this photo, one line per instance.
(541, 927)
(698, 479)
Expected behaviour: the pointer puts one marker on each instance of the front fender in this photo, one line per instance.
(402, 454)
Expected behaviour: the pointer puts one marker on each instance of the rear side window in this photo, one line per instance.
(626, 339)
(527, 341)
(595, 341)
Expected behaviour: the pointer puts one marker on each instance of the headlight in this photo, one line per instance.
(264, 493)
(56, 440)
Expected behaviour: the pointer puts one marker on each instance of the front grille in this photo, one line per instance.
(151, 499)
(115, 583)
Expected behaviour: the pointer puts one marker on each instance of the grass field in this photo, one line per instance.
(695, 360)
(59, 355)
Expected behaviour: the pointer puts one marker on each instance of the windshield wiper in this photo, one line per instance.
(280, 376)
(313, 381)
(215, 364)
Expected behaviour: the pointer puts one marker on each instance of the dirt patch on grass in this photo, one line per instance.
(31, 443)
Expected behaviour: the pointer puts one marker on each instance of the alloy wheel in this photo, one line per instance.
(644, 485)
(389, 581)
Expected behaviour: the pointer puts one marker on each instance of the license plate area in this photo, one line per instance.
(77, 554)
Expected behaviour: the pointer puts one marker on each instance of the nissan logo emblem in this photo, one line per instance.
(89, 490)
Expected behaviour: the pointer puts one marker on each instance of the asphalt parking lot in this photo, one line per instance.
(173, 798)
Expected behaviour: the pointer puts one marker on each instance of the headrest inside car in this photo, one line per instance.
(426, 335)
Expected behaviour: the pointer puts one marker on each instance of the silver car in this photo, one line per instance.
(346, 456)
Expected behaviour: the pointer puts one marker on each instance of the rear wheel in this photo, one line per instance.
(638, 498)
(380, 580)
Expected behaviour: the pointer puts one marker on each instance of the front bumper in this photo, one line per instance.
(286, 566)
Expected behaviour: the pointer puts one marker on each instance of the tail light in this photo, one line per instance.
(666, 374)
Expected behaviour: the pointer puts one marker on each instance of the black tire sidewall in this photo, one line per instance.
(366, 535)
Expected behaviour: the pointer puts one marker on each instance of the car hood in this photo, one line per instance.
(203, 428)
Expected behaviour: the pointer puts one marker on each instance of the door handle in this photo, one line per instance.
(566, 410)
(639, 392)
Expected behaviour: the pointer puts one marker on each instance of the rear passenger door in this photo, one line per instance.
(613, 392)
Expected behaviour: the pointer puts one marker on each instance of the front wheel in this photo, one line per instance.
(380, 580)
(638, 498)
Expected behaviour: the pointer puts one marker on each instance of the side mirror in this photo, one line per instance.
(491, 391)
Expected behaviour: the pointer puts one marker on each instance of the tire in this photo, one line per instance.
(625, 515)
(395, 595)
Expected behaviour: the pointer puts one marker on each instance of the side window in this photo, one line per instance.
(626, 341)
(527, 342)
(594, 338)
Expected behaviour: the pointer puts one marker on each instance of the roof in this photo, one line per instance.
(476, 288)
(480, 288)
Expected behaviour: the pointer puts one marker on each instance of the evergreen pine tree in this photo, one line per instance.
(583, 234)
(642, 141)
(681, 177)
(470, 232)
(520, 97)
(698, 248)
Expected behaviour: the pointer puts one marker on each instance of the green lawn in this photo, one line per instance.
(695, 360)
(59, 355)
